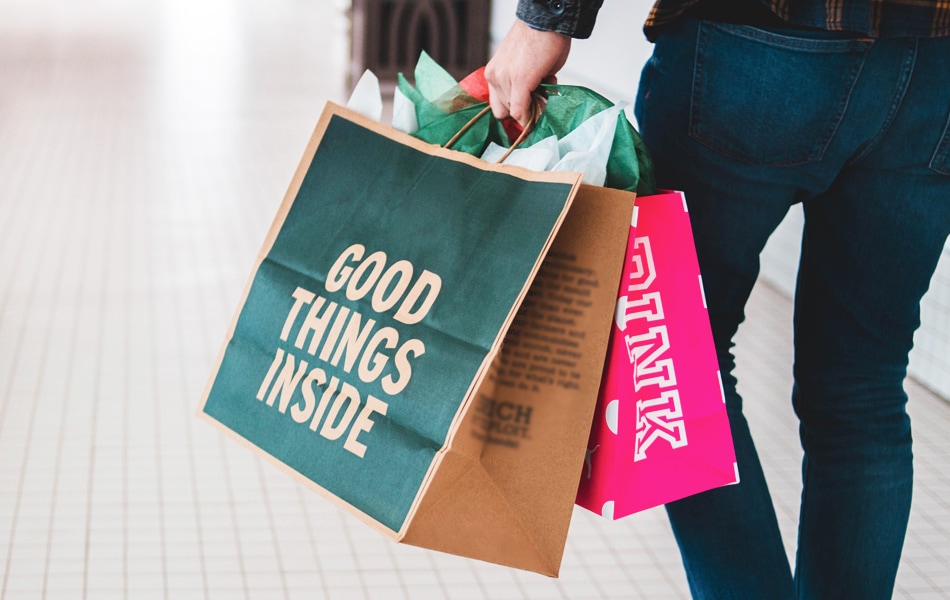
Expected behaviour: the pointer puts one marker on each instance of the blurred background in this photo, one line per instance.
(144, 148)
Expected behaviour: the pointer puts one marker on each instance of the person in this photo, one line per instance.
(749, 107)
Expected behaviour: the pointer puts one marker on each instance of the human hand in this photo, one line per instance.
(524, 59)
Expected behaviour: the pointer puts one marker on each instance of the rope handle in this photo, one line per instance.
(533, 117)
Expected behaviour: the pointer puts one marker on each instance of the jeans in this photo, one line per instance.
(749, 122)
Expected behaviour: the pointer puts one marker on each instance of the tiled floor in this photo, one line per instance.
(144, 147)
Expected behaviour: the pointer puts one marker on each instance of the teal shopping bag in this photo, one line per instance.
(359, 356)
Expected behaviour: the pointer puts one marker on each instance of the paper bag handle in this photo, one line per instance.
(533, 116)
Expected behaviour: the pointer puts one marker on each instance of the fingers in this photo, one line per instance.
(498, 100)
(511, 100)
(520, 108)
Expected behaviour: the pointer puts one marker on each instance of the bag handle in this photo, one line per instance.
(533, 116)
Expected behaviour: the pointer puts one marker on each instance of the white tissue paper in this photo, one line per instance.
(539, 157)
(367, 99)
(584, 150)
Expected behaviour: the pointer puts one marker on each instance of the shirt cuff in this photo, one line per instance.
(574, 18)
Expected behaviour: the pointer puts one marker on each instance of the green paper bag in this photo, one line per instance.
(360, 358)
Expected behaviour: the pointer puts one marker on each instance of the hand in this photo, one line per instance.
(524, 59)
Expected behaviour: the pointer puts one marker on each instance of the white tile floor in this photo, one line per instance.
(144, 146)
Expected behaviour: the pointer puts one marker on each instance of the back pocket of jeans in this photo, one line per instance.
(767, 98)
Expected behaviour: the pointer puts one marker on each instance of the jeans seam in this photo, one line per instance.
(940, 161)
(784, 41)
(845, 101)
(701, 38)
(902, 85)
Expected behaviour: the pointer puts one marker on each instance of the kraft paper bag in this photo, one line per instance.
(369, 357)
(660, 431)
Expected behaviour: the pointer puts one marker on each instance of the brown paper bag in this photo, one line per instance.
(505, 490)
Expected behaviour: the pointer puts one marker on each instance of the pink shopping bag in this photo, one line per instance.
(660, 431)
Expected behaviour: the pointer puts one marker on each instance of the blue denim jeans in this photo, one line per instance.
(749, 122)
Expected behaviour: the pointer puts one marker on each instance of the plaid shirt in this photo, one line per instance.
(874, 18)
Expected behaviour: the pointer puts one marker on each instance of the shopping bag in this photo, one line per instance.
(660, 430)
(364, 358)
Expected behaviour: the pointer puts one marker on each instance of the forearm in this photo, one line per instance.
(574, 18)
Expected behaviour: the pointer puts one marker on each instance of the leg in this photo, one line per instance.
(729, 538)
(867, 258)
(870, 246)
(743, 120)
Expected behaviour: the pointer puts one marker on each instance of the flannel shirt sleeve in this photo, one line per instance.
(574, 18)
